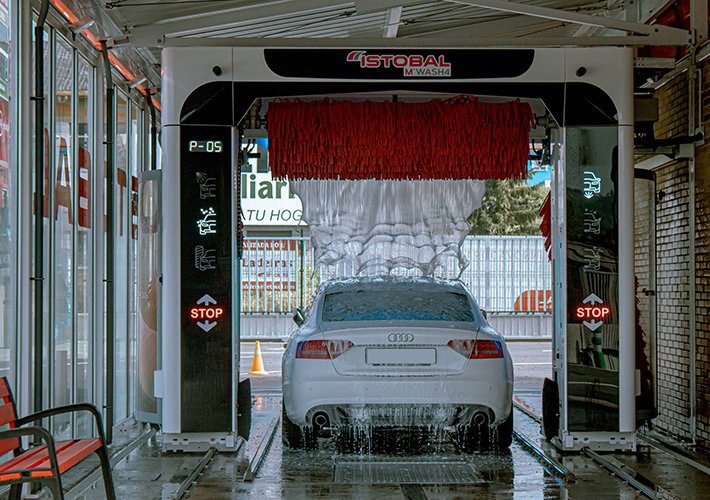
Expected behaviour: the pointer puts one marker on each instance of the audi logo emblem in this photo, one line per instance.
(400, 337)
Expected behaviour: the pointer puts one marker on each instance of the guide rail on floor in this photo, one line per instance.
(624, 473)
(555, 467)
(262, 450)
(193, 475)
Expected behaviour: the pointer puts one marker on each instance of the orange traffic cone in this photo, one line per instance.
(257, 365)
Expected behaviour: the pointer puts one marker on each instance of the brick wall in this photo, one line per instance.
(674, 273)
(702, 271)
(673, 346)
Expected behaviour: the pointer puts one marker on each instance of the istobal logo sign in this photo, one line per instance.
(411, 65)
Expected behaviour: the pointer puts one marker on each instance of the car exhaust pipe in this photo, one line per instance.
(321, 425)
(320, 420)
(480, 418)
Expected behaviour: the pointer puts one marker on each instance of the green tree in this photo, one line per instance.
(510, 207)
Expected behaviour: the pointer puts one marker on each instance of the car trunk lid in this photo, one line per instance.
(397, 350)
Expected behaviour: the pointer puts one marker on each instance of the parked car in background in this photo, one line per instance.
(396, 353)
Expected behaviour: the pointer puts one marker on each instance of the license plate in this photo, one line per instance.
(400, 356)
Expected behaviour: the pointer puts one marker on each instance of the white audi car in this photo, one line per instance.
(396, 353)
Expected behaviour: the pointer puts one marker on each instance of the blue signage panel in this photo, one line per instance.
(206, 275)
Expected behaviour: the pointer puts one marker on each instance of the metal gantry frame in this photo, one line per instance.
(245, 72)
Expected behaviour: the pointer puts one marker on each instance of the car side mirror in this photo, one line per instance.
(298, 316)
(485, 314)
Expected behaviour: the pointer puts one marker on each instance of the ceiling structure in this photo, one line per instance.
(137, 30)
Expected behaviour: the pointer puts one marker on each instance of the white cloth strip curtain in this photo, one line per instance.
(375, 227)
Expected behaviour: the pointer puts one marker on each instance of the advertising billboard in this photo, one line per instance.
(266, 201)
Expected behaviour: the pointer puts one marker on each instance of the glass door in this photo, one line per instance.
(645, 268)
(149, 342)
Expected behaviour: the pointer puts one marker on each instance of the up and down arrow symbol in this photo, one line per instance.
(593, 325)
(206, 300)
(591, 299)
(207, 326)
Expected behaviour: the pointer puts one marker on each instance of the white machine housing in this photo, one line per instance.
(607, 69)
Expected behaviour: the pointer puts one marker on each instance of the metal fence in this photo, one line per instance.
(506, 274)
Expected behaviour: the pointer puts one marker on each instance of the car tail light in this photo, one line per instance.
(322, 349)
(338, 347)
(463, 347)
(312, 349)
(480, 349)
(487, 349)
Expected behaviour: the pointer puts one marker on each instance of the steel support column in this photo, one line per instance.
(699, 21)
(627, 281)
(110, 246)
(627, 286)
(39, 208)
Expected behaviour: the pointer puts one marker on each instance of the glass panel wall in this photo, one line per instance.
(74, 260)
(8, 204)
(63, 241)
(122, 238)
(136, 160)
(84, 247)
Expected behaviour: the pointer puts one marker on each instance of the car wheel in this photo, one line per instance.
(294, 436)
(473, 437)
(505, 433)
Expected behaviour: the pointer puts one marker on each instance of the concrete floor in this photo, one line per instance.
(151, 475)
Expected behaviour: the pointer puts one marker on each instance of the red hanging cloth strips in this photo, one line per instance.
(460, 138)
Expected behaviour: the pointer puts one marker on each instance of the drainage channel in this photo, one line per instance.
(412, 473)
(192, 477)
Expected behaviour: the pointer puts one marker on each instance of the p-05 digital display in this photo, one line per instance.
(206, 258)
(205, 147)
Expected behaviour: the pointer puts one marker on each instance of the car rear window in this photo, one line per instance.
(396, 304)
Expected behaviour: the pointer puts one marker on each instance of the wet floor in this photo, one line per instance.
(327, 473)
(420, 469)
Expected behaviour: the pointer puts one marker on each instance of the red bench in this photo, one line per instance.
(45, 464)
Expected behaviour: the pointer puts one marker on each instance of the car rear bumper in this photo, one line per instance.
(398, 401)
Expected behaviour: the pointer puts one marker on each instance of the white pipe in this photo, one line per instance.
(627, 282)
(627, 288)
(171, 305)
